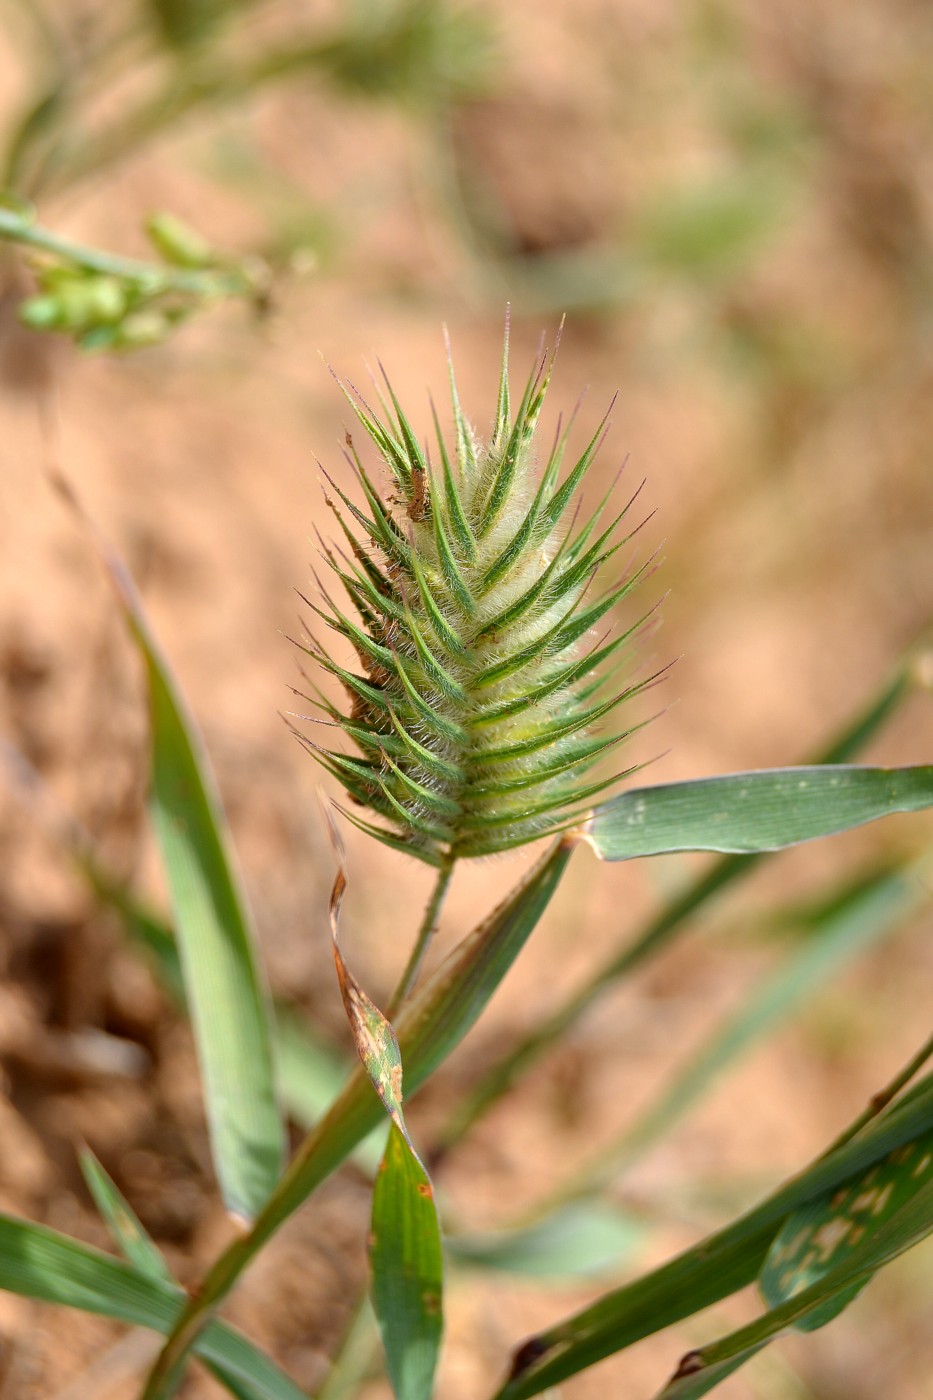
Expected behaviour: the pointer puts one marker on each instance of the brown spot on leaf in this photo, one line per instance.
(689, 1365)
(526, 1355)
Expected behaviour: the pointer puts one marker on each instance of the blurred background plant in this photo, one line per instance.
(734, 207)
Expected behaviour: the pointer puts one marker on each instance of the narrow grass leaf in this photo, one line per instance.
(581, 1239)
(355, 1360)
(711, 1270)
(225, 992)
(127, 1232)
(431, 1026)
(308, 1071)
(758, 811)
(40, 1263)
(406, 1262)
(310, 1076)
(226, 997)
(669, 923)
(846, 928)
(138, 1248)
(901, 1228)
(406, 1256)
(820, 1237)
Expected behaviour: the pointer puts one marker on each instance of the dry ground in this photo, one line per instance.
(777, 402)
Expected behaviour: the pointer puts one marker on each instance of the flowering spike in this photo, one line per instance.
(476, 712)
(503, 407)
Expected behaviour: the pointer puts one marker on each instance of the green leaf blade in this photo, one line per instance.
(673, 919)
(904, 1226)
(39, 1263)
(224, 988)
(225, 993)
(763, 810)
(823, 1234)
(711, 1270)
(837, 934)
(133, 1241)
(430, 1028)
(406, 1261)
(577, 1240)
(406, 1258)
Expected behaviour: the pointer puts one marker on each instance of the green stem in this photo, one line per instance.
(207, 282)
(884, 1096)
(426, 932)
(184, 93)
(356, 1112)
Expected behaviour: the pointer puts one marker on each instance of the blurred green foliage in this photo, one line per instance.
(422, 55)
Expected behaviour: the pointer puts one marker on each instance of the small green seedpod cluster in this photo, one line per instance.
(482, 682)
(110, 303)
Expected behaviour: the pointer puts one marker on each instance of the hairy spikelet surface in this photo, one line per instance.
(482, 701)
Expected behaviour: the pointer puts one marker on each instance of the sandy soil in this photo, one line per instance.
(778, 405)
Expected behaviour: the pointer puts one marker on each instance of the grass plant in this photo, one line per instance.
(491, 686)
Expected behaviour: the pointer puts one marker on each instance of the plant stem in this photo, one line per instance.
(207, 282)
(184, 92)
(426, 932)
(432, 1024)
(355, 1113)
(880, 1101)
(351, 1117)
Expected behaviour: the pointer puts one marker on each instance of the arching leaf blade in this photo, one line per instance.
(224, 987)
(845, 928)
(40, 1263)
(711, 1270)
(125, 1228)
(430, 1028)
(906, 1226)
(673, 919)
(824, 1234)
(578, 1240)
(225, 992)
(763, 810)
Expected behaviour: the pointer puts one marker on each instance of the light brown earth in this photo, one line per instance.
(777, 402)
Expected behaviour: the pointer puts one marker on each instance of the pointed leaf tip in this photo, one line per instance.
(764, 810)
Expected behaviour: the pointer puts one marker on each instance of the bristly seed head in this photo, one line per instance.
(475, 707)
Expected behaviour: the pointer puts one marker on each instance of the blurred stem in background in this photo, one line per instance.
(671, 921)
(422, 53)
(110, 302)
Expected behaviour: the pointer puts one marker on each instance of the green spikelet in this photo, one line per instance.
(471, 588)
